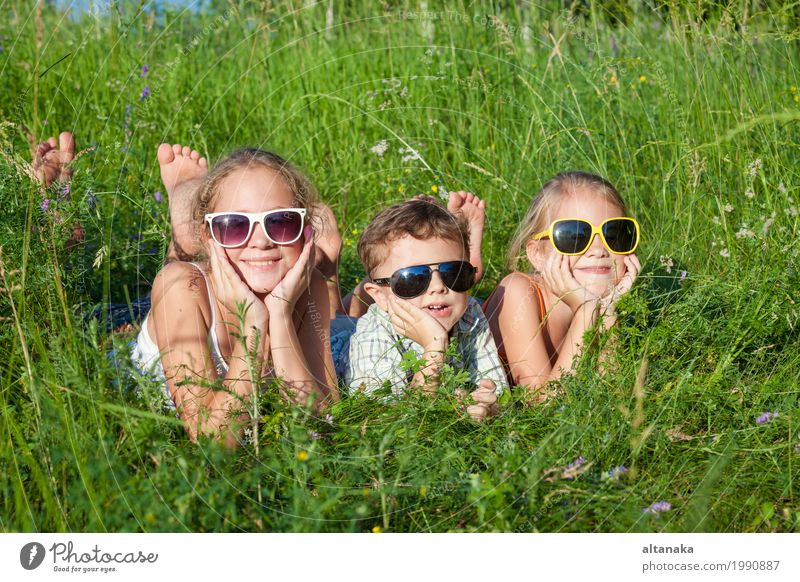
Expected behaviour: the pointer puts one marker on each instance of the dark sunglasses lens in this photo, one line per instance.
(230, 229)
(411, 282)
(571, 236)
(457, 275)
(620, 235)
(283, 227)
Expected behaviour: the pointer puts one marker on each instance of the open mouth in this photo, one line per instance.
(262, 265)
(596, 270)
(439, 310)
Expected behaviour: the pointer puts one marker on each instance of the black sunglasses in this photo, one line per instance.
(410, 282)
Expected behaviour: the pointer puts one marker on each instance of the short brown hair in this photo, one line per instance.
(421, 219)
(305, 195)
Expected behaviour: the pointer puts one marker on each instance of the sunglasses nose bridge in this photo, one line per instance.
(436, 284)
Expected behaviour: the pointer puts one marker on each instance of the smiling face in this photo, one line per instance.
(259, 262)
(597, 269)
(443, 303)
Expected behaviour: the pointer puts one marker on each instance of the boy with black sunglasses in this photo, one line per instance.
(416, 258)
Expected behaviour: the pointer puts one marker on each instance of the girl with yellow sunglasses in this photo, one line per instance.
(580, 243)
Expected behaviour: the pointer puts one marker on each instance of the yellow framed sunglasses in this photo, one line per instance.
(573, 236)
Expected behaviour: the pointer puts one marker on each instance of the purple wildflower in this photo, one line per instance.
(128, 109)
(683, 276)
(766, 417)
(329, 418)
(577, 463)
(658, 507)
(64, 191)
(157, 195)
(145, 93)
(145, 70)
(617, 472)
(45, 204)
(314, 435)
(91, 199)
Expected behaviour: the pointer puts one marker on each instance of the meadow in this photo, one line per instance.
(690, 108)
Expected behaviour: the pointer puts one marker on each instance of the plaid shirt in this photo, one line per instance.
(372, 355)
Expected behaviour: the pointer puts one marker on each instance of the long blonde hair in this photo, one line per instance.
(542, 205)
(304, 192)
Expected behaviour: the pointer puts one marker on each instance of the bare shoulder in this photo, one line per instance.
(518, 292)
(180, 281)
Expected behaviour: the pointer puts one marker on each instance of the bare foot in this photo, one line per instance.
(51, 160)
(328, 247)
(474, 210)
(182, 171)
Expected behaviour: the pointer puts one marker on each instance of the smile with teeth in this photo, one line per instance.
(438, 309)
(261, 264)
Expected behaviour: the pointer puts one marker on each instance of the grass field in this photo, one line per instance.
(692, 115)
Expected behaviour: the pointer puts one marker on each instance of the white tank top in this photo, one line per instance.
(146, 356)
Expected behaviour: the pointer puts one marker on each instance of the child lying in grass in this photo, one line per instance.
(580, 241)
(253, 247)
(415, 255)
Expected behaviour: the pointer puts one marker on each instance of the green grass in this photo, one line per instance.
(674, 107)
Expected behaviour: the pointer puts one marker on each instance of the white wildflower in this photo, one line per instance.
(380, 148)
(782, 188)
(411, 154)
(754, 167)
(745, 232)
(750, 193)
(768, 224)
(666, 262)
(728, 208)
(715, 220)
(791, 211)
(725, 253)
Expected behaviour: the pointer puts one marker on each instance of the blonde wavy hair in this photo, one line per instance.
(304, 192)
(538, 216)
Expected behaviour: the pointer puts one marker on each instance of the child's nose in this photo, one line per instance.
(258, 239)
(597, 248)
(437, 285)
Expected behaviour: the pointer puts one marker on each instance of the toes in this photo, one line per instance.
(203, 163)
(165, 154)
(186, 151)
(177, 149)
(66, 143)
(52, 142)
(195, 155)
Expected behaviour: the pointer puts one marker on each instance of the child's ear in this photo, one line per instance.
(535, 254)
(378, 294)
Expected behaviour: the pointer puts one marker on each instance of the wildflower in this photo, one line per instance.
(376, 529)
(401, 189)
(658, 507)
(797, 448)
(782, 188)
(45, 204)
(715, 220)
(157, 196)
(642, 78)
(380, 148)
(423, 491)
(725, 253)
(411, 154)
(793, 89)
(728, 208)
(145, 70)
(666, 262)
(750, 194)
(797, 98)
(766, 417)
(754, 167)
(64, 191)
(329, 418)
(791, 211)
(683, 276)
(745, 232)
(302, 456)
(434, 188)
(314, 435)
(91, 199)
(577, 463)
(145, 93)
(44, 122)
(617, 472)
(768, 224)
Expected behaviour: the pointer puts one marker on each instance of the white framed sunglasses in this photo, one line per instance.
(282, 226)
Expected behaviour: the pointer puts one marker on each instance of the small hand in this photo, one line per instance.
(632, 269)
(51, 159)
(558, 276)
(417, 325)
(231, 290)
(485, 399)
(281, 300)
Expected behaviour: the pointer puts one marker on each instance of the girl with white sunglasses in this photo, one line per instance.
(250, 307)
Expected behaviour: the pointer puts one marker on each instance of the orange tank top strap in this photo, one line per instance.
(539, 295)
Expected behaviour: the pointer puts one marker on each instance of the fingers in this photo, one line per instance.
(66, 143)
(52, 142)
(478, 412)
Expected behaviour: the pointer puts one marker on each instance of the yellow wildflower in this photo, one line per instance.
(434, 188)
(401, 189)
(642, 78)
(376, 529)
(423, 491)
(302, 456)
